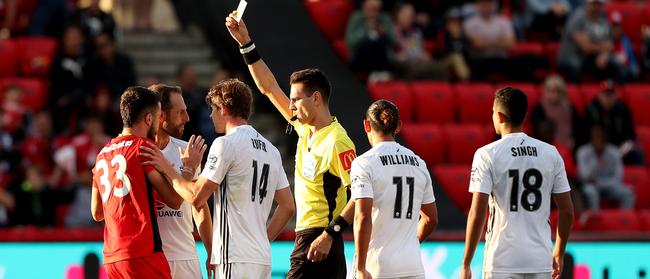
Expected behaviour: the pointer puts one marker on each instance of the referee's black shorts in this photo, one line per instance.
(332, 267)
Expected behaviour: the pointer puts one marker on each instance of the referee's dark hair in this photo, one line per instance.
(514, 104)
(165, 91)
(313, 80)
(383, 116)
(136, 101)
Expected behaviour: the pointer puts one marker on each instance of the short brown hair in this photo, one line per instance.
(233, 94)
(164, 91)
(136, 101)
(514, 103)
(314, 80)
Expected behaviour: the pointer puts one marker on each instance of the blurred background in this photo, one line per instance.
(584, 64)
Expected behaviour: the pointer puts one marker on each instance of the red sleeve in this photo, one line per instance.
(147, 168)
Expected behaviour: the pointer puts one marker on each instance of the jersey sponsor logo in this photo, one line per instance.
(346, 158)
(160, 206)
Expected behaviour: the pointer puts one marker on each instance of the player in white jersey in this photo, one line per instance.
(245, 173)
(175, 226)
(392, 189)
(516, 177)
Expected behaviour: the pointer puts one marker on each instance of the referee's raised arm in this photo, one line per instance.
(264, 79)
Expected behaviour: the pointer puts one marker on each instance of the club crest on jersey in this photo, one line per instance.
(212, 162)
(346, 158)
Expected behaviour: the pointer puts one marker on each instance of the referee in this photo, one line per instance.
(323, 159)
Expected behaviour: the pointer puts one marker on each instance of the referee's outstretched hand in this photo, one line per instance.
(320, 248)
(237, 30)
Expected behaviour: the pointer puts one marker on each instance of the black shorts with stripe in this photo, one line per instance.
(332, 267)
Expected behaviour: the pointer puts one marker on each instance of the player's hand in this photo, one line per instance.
(156, 158)
(210, 268)
(320, 247)
(193, 154)
(558, 265)
(466, 273)
(363, 274)
(237, 30)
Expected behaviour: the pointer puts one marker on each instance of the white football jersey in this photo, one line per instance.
(248, 169)
(519, 173)
(175, 226)
(399, 183)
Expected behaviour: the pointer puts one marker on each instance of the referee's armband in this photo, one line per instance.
(337, 226)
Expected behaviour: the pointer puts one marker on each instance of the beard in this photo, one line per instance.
(176, 131)
(151, 133)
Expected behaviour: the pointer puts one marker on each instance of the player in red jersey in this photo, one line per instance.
(122, 193)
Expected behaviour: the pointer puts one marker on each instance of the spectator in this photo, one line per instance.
(615, 117)
(371, 37)
(67, 91)
(110, 68)
(93, 20)
(37, 147)
(547, 17)
(7, 203)
(412, 62)
(601, 170)
(36, 201)
(194, 96)
(490, 36)
(49, 18)
(623, 51)
(455, 44)
(586, 45)
(14, 113)
(101, 107)
(8, 11)
(556, 108)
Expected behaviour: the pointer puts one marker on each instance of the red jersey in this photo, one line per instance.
(130, 229)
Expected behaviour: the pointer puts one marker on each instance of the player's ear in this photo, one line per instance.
(366, 126)
(224, 111)
(502, 117)
(148, 118)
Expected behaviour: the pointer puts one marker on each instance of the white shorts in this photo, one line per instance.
(243, 270)
(188, 269)
(498, 275)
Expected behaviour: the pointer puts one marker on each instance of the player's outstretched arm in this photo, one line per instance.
(362, 232)
(283, 213)
(475, 224)
(96, 209)
(165, 190)
(428, 220)
(261, 73)
(565, 221)
(204, 225)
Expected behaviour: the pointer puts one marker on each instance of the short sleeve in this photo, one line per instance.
(283, 182)
(560, 183)
(341, 158)
(481, 174)
(361, 174)
(428, 196)
(219, 160)
(147, 168)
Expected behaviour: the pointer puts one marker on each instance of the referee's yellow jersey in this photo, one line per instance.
(323, 162)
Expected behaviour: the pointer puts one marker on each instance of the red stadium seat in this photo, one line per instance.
(643, 140)
(341, 49)
(462, 141)
(331, 16)
(639, 180)
(567, 156)
(638, 100)
(644, 217)
(613, 220)
(574, 95)
(434, 102)
(474, 102)
(551, 50)
(589, 92)
(632, 18)
(396, 92)
(35, 55)
(527, 48)
(426, 141)
(34, 91)
(454, 180)
(9, 58)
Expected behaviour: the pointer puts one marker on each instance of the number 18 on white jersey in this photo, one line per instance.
(520, 174)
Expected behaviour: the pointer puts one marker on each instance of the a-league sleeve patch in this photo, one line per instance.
(346, 158)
